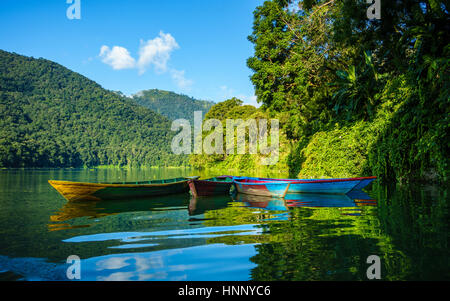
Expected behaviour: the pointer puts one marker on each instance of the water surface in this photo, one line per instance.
(238, 237)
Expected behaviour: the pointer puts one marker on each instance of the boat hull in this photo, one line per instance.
(79, 191)
(324, 186)
(209, 188)
(278, 189)
(364, 182)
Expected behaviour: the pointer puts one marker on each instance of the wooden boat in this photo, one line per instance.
(364, 182)
(329, 186)
(81, 191)
(214, 186)
(262, 188)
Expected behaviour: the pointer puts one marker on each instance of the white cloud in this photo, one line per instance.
(117, 57)
(179, 78)
(156, 52)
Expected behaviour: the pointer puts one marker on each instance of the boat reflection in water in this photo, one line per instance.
(202, 204)
(352, 199)
(262, 202)
(101, 208)
(93, 210)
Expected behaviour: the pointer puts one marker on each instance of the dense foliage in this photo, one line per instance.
(53, 117)
(231, 158)
(359, 96)
(172, 105)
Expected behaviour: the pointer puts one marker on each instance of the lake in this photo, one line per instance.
(303, 237)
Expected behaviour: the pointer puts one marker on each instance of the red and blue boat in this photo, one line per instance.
(261, 187)
(213, 186)
(328, 186)
(364, 182)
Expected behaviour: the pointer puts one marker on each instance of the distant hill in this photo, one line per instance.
(172, 105)
(51, 116)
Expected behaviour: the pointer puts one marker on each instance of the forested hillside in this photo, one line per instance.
(356, 96)
(53, 117)
(172, 105)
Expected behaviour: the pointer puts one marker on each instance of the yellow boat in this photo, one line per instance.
(81, 191)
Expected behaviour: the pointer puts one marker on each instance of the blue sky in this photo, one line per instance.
(195, 47)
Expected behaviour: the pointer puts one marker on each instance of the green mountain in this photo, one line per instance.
(172, 105)
(53, 117)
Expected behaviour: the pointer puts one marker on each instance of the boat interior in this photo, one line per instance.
(163, 181)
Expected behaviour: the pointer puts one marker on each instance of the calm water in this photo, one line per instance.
(305, 237)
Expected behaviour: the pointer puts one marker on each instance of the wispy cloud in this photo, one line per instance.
(180, 79)
(155, 52)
